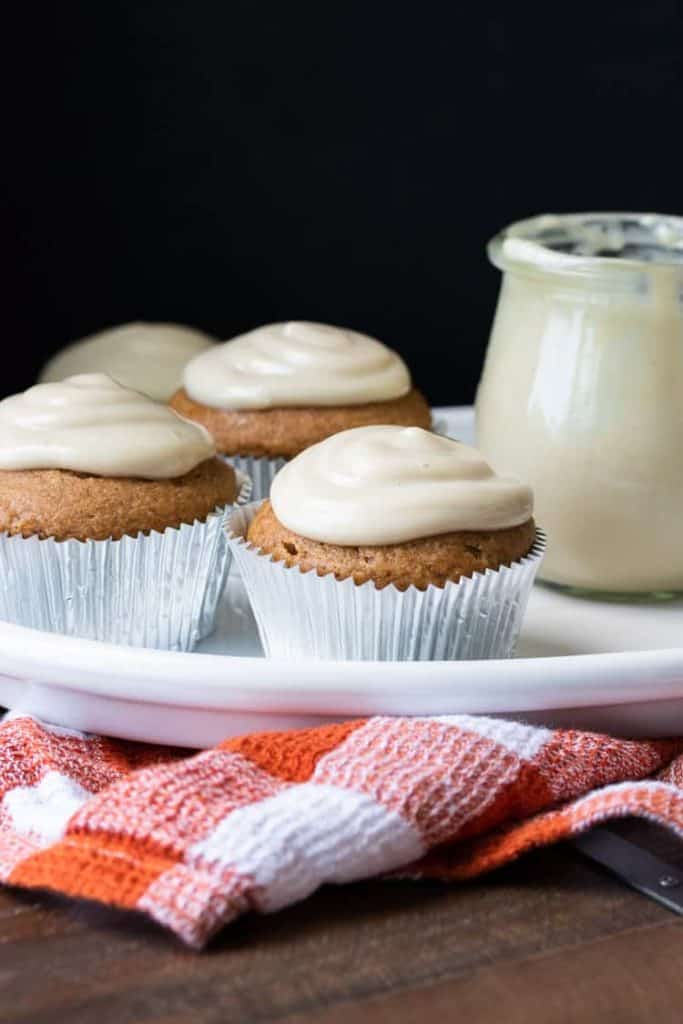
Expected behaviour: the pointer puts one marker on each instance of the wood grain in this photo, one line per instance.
(631, 978)
(550, 936)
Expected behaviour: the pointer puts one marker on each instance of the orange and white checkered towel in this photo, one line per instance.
(261, 821)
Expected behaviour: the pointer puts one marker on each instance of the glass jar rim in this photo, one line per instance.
(589, 244)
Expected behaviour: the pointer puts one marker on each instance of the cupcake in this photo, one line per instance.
(389, 543)
(269, 394)
(147, 357)
(112, 515)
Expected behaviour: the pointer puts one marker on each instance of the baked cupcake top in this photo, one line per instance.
(146, 356)
(296, 364)
(90, 424)
(387, 485)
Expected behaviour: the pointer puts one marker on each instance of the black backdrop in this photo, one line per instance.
(228, 164)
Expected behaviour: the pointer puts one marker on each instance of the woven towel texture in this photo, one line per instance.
(194, 840)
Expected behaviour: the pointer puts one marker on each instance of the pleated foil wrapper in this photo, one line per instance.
(153, 590)
(262, 471)
(301, 615)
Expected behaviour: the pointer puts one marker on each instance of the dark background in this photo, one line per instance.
(229, 164)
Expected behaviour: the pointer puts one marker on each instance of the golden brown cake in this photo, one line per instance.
(418, 563)
(289, 430)
(64, 504)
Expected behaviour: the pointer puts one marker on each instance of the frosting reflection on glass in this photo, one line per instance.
(387, 485)
(91, 424)
(147, 357)
(296, 364)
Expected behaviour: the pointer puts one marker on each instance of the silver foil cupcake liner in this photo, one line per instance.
(301, 615)
(153, 590)
(262, 471)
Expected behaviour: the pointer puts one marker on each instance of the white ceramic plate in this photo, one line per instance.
(607, 666)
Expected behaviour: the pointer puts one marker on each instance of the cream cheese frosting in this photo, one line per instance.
(296, 364)
(91, 424)
(146, 356)
(388, 484)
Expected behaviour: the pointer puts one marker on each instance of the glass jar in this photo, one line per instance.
(582, 393)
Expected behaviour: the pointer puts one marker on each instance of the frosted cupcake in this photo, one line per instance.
(146, 357)
(267, 395)
(112, 515)
(389, 543)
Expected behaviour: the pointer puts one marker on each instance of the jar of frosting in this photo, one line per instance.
(582, 393)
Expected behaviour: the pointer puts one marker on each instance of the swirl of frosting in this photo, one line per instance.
(296, 363)
(91, 424)
(147, 357)
(387, 485)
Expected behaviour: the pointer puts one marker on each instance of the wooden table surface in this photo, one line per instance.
(552, 938)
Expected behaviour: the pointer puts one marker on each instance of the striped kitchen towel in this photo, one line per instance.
(194, 840)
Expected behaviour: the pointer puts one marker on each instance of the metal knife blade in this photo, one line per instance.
(636, 866)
